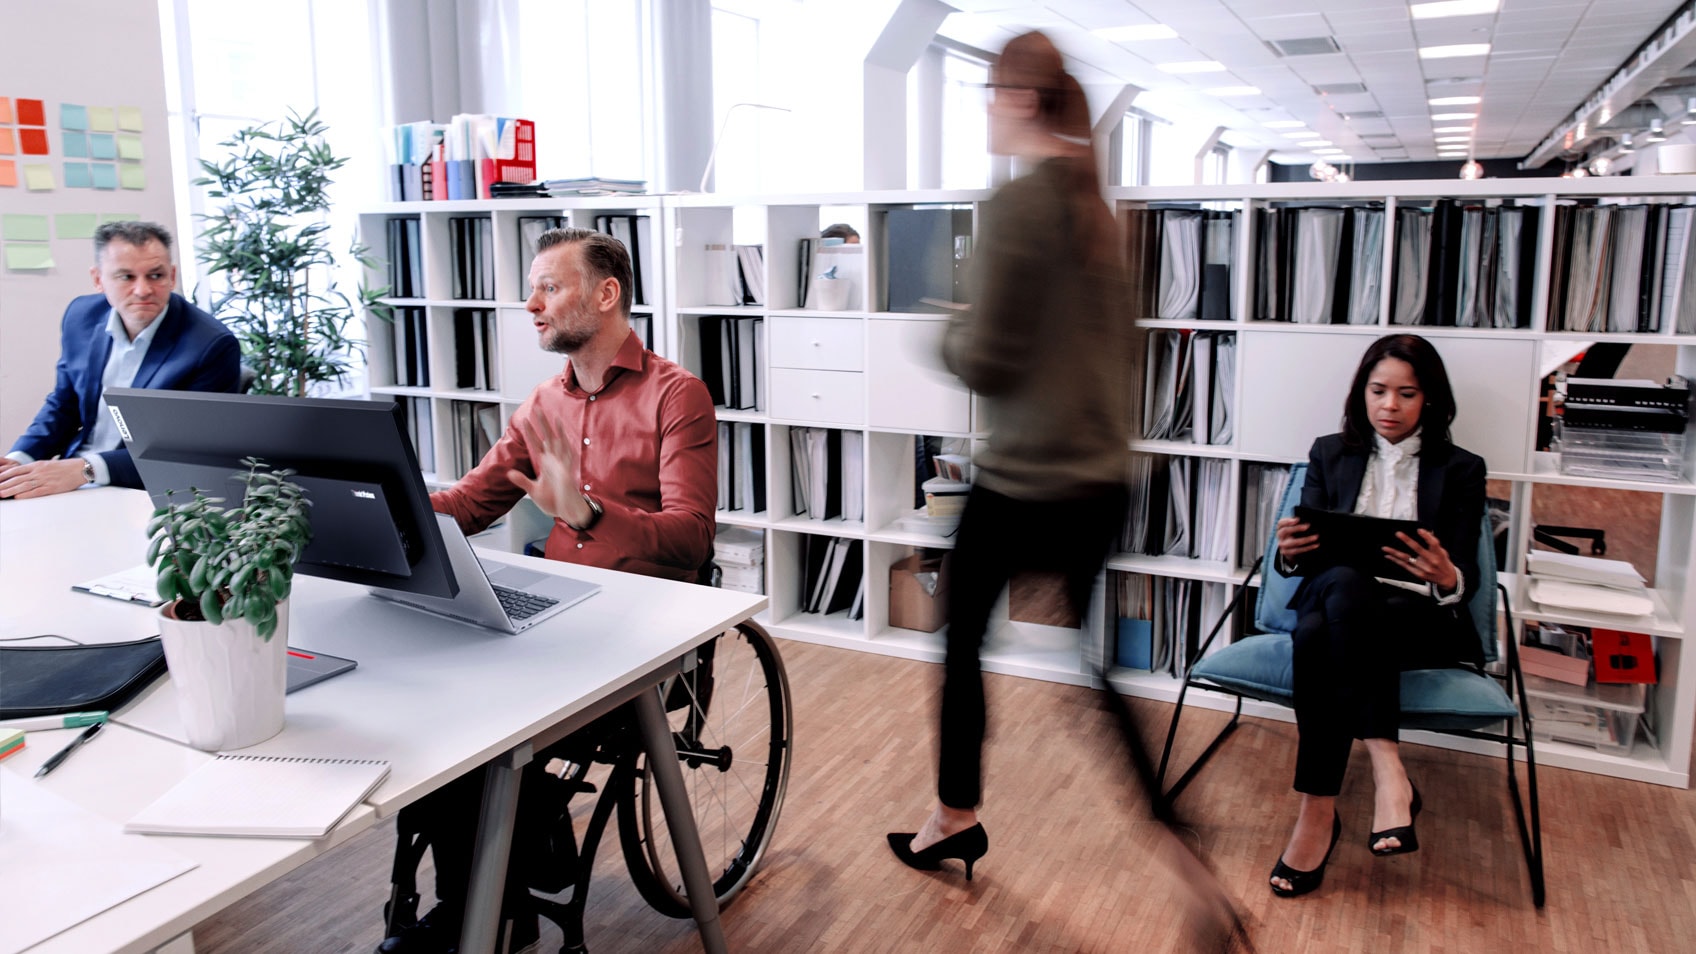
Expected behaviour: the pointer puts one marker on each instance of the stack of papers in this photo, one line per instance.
(1589, 584)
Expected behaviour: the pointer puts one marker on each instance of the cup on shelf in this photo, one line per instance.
(833, 293)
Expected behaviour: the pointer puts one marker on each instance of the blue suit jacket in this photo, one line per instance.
(191, 351)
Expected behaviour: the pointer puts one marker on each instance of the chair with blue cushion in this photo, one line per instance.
(1462, 701)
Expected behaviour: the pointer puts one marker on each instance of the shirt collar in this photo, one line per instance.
(1391, 453)
(121, 337)
(631, 356)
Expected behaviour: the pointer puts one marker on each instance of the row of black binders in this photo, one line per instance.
(1623, 268)
(406, 258)
(1263, 490)
(828, 470)
(474, 349)
(1179, 507)
(730, 360)
(741, 466)
(473, 243)
(474, 429)
(530, 229)
(1193, 252)
(1161, 621)
(409, 326)
(636, 232)
(834, 577)
(1464, 265)
(1187, 386)
(1318, 265)
(421, 428)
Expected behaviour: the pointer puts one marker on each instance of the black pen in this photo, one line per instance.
(65, 752)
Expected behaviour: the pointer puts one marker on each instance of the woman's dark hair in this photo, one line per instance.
(1427, 364)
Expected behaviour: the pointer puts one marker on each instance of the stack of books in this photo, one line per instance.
(1624, 429)
(741, 557)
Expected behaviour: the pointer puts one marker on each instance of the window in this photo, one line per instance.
(1215, 164)
(580, 76)
(1130, 145)
(965, 122)
(737, 167)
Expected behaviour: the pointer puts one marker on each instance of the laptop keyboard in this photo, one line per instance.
(520, 605)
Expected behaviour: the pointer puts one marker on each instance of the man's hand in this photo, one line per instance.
(41, 478)
(7, 463)
(555, 487)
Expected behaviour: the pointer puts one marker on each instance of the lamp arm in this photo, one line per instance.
(724, 124)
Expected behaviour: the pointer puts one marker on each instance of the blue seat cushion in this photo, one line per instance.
(1260, 667)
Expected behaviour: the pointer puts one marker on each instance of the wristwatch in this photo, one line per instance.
(87, 471)
(595, 513)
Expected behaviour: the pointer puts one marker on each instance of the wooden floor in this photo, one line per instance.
(1074, 864)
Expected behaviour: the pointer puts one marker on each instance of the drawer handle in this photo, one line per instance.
(815, 344)
(815, 397)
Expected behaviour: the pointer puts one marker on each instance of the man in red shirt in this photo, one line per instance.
(621, 449)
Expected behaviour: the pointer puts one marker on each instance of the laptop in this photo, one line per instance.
(495, 595)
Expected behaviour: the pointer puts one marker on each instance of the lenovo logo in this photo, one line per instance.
(365, 494)
(118, 419)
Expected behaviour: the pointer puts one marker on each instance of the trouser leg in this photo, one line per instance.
(1346, 680)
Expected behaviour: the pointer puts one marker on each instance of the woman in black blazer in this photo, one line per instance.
(1356, 633)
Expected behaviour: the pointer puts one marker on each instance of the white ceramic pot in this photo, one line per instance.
(229, 682)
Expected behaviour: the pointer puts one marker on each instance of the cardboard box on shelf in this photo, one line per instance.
(1553, 665)
(918, 594)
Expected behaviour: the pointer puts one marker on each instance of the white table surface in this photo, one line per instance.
(434, 697)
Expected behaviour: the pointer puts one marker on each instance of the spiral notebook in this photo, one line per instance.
(262, 796)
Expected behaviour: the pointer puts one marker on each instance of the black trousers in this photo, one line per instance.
(1354, 637)
(999, 536)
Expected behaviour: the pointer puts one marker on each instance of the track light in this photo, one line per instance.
(1471, 170)
(1625, 144)
(1689, 112)
(1601, 165)
(1655, 134)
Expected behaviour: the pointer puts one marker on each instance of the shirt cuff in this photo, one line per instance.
(20, 457)
(1452, 598)
(102, 474)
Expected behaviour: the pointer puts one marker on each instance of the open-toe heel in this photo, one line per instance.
(1406, 835)
(1301, 882)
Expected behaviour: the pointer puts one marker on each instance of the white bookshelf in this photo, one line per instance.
(866, 370)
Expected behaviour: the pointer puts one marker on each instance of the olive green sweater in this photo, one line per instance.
(1048, 344)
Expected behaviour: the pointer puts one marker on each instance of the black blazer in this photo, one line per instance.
(1451, 503)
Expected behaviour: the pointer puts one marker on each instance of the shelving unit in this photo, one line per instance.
(877, 372)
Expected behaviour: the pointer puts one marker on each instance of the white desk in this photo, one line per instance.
(433, 697)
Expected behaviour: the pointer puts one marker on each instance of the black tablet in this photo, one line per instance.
(1349, 539)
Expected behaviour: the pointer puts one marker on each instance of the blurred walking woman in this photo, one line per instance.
(1355, 633)
(1049, 347)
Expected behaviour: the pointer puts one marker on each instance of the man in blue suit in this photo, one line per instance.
(136, 333)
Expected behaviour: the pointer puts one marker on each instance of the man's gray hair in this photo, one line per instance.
(130, 233)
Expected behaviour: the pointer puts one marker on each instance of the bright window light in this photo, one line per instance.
(1457, 49)
(1443, 116)
(1456, 101)
(1131, 34)
(1193, 66)
(1284, 124)
(1452, 8)
(1233, 91)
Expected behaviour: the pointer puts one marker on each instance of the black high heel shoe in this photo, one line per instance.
(1406, 835)
(1301, 882)
(968, 845)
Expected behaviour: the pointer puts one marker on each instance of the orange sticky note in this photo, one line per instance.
(8, 143)
(8, 173)
(5, 109)
(33, 141)
(31, 113)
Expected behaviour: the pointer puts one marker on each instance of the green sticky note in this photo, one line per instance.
(73, 117)
(75, 225)
(28, 255)
(119, 217)
(38, 178)
(129, 117)
(102, 146)
(26, 228)
(100, 119)
(77, 176)
(105, 175)
(129, 146)
(74, 145)
(131, 176)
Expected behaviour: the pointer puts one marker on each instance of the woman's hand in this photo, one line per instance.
(1425, 558)
(1294, 539)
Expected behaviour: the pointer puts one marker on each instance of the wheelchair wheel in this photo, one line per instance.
(730, 718)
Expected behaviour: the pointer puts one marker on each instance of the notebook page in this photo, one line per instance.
(262, 796)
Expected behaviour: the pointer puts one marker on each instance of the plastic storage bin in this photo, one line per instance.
(1601, 717)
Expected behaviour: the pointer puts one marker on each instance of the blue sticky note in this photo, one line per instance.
(105, 175)
(75, 145)
(73, 117)
(102, 146)
(77, 176)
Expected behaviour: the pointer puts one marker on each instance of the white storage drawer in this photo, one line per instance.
(827, 344)
(830, 397)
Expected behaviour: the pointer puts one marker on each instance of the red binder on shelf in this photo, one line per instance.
(1622, 657)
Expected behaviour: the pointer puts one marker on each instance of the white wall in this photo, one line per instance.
(93, 53)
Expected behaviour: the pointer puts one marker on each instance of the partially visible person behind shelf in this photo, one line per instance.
(1355, 633)
(1048, 345)
(843, 231)
(621, 449)
(135, 331)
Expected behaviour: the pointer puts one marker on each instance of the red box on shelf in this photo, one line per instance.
(1622, 657)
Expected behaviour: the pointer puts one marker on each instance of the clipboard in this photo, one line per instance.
(1350, 539)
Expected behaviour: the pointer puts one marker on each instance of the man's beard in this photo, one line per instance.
(567, 340)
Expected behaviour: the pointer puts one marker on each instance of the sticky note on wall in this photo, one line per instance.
(31, 113)
(129, 118)
(23, 228)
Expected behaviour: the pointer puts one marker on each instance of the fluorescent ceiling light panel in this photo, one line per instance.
(1233, 91)
(1327, 152)
(1131, 34)
(1464, 129)
(1315, 142)
(1452, 8)
(1299, 134)
(1284, 124)
(1193, 66)
(1443, 116)
(1454, 50)
(1454, 138)
(1456, 100)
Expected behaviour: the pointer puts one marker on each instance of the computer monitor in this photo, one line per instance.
(371, 518)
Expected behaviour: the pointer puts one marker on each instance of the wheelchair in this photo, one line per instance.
(730, 715)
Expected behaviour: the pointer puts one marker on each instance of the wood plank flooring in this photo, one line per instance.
(1074, 863)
